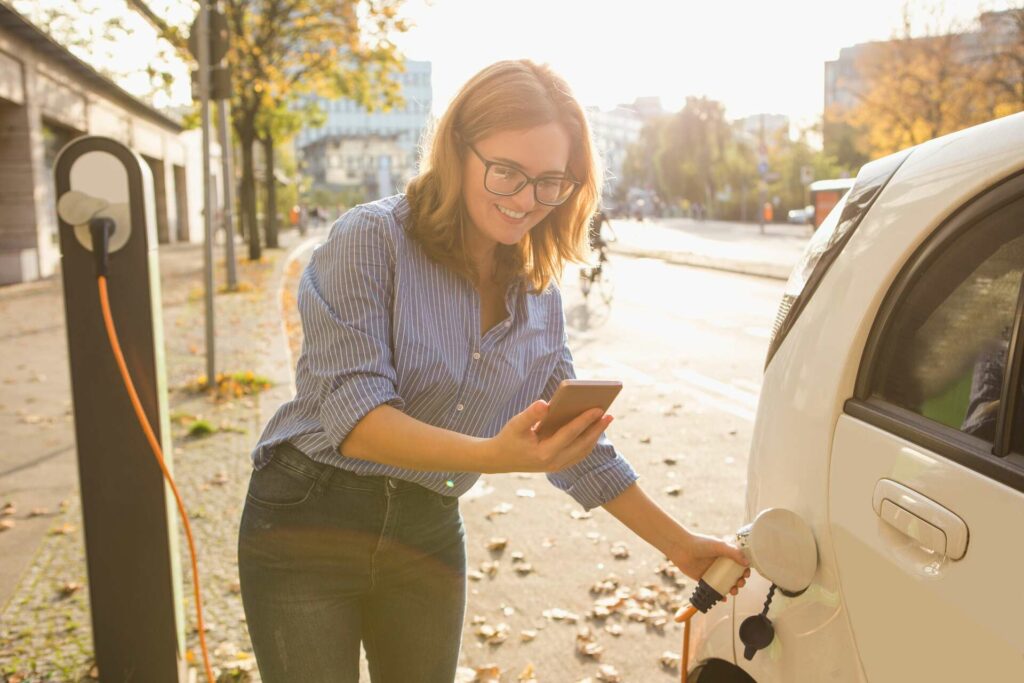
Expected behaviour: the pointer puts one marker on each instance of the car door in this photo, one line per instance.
(926, 483)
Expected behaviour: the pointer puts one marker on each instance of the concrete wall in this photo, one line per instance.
(37, 93)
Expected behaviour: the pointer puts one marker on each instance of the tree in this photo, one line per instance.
(95, 31)
(283, 49)
(694, 144)
(1003, 59)
(914, 88)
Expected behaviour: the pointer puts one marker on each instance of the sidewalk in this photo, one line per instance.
(735, 247)
(45, 630)
(44, 612)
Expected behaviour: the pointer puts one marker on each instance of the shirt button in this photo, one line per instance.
(476, 356)
(459, 407)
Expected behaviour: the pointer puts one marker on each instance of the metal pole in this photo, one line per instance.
(204, 99)
(763, 194)
(227, 170)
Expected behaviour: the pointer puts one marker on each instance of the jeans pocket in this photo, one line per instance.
(448, 502)
(278, 486)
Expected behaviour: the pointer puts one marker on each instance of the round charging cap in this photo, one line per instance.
(782, 547)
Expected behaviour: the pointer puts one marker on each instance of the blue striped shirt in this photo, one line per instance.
(385, 324)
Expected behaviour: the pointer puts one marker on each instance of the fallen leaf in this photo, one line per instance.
(523, 568)
(586, 645)
(64, 529)
(614, 629)
(69, 588)
(673, 489)
(9, 509)
(497, 544)
(489, 568)
(670, 660)
(499, 509)
(6, 524)
(490, 673)
(608, 674)
(669, 460)
(526, 635)
(645, 439)
(620, 551)
(527, 675)
(559, 614)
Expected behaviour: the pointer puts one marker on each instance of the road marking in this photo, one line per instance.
(706, 390)
(752, 387)
(713, 385)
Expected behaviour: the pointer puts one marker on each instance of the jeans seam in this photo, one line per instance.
(382, 539)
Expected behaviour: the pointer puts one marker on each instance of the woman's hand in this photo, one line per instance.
(517, 448)
(698, 552)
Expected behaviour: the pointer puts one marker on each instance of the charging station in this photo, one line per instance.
(131, 532)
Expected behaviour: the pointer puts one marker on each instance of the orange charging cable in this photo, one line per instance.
(115, 346)
(684, 615)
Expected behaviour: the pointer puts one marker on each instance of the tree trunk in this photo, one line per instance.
(248, 195)
(271, 204)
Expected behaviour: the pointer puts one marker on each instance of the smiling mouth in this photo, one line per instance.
(510, 213)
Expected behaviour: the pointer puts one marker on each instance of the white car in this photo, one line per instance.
(891, 419)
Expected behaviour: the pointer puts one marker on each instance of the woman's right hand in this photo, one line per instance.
(517, 448)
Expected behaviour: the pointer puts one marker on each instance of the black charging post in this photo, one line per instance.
(129, 519)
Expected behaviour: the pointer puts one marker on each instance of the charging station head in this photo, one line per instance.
(781, 546)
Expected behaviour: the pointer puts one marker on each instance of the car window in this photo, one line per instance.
(945, 353)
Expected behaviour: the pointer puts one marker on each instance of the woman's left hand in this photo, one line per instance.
(694, 555)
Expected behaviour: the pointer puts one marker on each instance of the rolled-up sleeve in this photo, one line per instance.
(604, 473)
(344, 300)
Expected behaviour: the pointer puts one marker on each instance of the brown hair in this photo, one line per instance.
(508, 95)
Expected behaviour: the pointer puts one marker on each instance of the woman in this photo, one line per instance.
(431, 328)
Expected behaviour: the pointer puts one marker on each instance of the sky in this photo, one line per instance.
(754, 56)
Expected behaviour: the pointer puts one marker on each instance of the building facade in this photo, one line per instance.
(377, 152)
(49, 97)
(616, 130)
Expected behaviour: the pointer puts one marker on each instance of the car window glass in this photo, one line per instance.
(945, 353)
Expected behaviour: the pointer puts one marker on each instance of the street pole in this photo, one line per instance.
(227, 171)
(204, 100)
(762, 166)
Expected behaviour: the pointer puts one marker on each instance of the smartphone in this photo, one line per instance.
(575, 396)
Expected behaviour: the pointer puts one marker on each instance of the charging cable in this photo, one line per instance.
(101, 229)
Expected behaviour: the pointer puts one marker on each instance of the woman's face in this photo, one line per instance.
(537, 152)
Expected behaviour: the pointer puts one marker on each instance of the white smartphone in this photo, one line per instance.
(575, 396)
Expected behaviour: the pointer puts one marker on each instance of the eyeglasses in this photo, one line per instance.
(505, 181)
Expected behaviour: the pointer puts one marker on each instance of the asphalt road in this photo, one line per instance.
(689, 346)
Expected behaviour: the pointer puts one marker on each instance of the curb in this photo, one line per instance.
(774, 271)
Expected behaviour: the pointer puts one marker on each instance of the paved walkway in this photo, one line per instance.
(44, 613)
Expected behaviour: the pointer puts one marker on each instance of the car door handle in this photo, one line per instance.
(933, 526)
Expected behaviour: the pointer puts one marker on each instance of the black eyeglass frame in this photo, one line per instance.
(529, 181)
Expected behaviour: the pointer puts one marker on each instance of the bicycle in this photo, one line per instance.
(598, 275)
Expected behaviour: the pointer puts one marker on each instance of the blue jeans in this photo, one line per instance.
(328, 558)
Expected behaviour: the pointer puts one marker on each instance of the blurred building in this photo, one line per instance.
(616, 130)
(375, 152)
(48, 97)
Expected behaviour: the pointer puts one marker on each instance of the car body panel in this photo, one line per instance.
(927, 603)
(814, 372)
